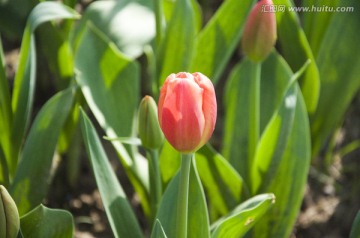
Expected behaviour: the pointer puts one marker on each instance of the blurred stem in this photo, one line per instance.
(183, 195)
(254, 117)
(158, 20)
(155, 181)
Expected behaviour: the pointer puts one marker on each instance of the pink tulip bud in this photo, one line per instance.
(187, 110)
(259, 35)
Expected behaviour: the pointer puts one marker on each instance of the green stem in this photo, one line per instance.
(155, 181)
(158, 20)
(183, 195)
(5, 169)
(254, 117)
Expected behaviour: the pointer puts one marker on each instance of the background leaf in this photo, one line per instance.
(339, 79)
(31, 180)
(315, 25)
(122, 219)
(243, 217)
(217, 41)
(43, 222)
(24, 86)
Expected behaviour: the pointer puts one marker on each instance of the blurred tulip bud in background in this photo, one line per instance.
(259, 35)
(9, 215)
(149, 129)
(187, 110)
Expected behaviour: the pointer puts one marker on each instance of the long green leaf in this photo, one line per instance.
(43, 222)
(339, 78)
(122, 218)
(296, 50)
(198, 221)
(294, 163)
(5, 122)
(24, 86)
(176, 48)
(110, 84)
(217, 41)
(31, 180)
(243, 217)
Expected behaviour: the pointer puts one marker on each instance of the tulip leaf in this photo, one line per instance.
(158, 231)
(355, 228)
(110, 84)
(43, 222)
(198, 221)
(129, 24)
(6, 121)
(217, 41)
(243, 217)
(122, 218)
(222, 183)
(24, 84)
(339, 78)
(288, 160)
(176, 48)
(296, 50)
(31, 180)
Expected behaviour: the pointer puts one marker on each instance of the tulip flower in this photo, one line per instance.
(259, 35)
(187, 110)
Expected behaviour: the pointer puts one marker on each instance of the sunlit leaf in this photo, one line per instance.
(129, 24)
(243, 217)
